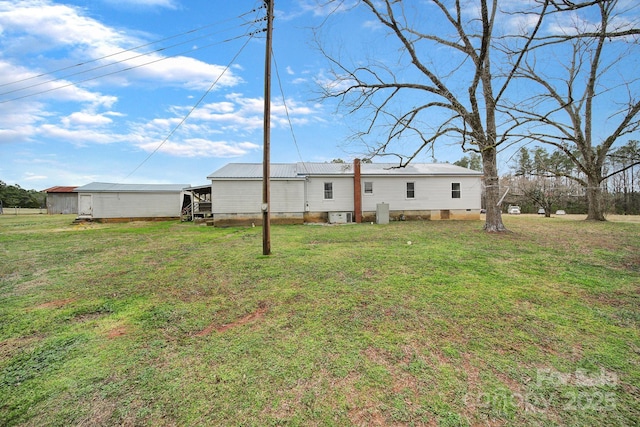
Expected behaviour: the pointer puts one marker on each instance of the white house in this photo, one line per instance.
(125, 202)
(312, 192)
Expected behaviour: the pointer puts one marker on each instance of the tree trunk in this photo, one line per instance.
(595, 202)
(493, 223)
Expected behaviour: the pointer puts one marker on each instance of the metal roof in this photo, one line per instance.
(59, 189)
(106, 187)
(198, 187)
(300, 170)
(254, 171)
(416, 169)
(311, 168)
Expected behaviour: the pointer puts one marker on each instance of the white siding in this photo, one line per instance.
(245, 197)
(287, 196)
(342, 194)
(430, 193)
(232, 197)
(135, 205)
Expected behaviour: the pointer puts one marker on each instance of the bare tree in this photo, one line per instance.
(545, 192)
(572, 109)
(442, 85)
(541, 179)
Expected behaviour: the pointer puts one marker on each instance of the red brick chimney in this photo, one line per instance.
(357, 191)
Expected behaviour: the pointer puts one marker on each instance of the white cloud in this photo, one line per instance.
(30, 176)
(79, 136)
(18, 134)
(84, 119)
(572, 23)
(169, 4)
(318, 9)
(521, 24)
(333, 83)
(20, 83)
(198, 147)
(43, 27)
(19, 120)
(220, 107)
(46, 173)
(373, 25)
(182, 70)
(245, 115)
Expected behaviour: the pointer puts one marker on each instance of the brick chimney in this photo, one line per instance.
(357, 191)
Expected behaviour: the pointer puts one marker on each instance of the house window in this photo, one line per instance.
(455, 190)
(328, 190)
(368, 187)
(411, 190)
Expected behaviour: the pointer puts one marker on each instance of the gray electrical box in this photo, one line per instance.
(382, 213)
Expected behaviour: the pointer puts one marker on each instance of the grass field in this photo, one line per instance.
(413, 323)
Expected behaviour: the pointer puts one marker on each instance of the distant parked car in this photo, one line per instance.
(541, 211)
(560, 212)
(513, 210)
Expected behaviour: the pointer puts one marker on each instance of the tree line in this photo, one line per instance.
(552, 180)
(14, 195)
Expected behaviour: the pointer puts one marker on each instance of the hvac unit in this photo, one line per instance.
(339, 217)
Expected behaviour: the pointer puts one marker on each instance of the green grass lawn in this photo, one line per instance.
(179, 324)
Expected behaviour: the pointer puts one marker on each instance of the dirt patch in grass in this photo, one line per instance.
(56, 303)
(105, 411)
(87, 317)
(474, 385)
(117, 332)
(632, 262)
(256, 315)
(12, 346)
(402, 380)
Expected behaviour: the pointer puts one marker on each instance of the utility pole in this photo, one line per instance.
(266, 169)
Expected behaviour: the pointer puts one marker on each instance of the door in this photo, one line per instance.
(84, 205)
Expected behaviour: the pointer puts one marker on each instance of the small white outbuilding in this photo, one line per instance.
(104, 201)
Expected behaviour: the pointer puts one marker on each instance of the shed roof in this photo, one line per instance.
(60, 189)
(300, 170)
(199, 189)
(106, 187)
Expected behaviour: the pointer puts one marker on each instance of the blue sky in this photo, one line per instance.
(144, 64)
(81, 124)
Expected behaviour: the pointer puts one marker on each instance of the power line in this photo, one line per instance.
(135, 48)
(101, 66)
(251, 35)
(286, 109)
(164, 58)
(123, 61)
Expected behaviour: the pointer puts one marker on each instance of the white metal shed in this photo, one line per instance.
(126, 202)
